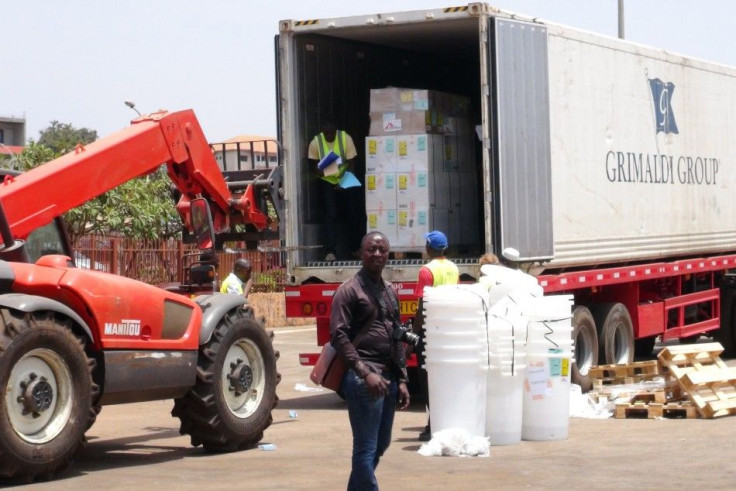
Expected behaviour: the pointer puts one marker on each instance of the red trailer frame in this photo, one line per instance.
(675, 299)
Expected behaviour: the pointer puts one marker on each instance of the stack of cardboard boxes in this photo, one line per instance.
(420, 168)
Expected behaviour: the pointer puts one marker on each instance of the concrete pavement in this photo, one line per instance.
(138, 447)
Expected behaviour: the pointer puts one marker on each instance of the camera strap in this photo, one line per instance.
(384, 298)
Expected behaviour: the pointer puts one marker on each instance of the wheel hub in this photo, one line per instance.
(37, 396)
(240, 377)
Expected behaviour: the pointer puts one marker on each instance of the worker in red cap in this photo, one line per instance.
(439, 271)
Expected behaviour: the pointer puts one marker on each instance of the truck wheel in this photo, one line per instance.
(586, 347)
(46, 378)
(230, 405)
(615, 333)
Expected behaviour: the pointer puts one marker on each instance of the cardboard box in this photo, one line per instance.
(407, 99)
(415, 100)
(380, 154)
(380, 191)
(413, 190)
(402, 110)
(383, 100)
(459, 153)
(413, 223)
(384, 221)
(417, 153)
(404, 122)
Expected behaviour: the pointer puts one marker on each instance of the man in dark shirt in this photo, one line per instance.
(376, 377)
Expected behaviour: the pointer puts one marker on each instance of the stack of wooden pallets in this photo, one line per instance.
(626, 384)
(703, 377)
(697, 383)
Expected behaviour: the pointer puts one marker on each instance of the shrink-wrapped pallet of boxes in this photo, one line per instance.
(419, 157)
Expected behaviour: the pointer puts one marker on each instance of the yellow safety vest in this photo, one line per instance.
(341, 143)
(444, 272)
(233, 281)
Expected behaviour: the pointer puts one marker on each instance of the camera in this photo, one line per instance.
(403, 332)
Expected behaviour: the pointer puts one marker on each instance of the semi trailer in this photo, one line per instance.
(608, 165)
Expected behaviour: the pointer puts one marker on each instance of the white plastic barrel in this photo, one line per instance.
(546, 389)
(457, 393)
(455, 348)
(504, 406)
(546, 401)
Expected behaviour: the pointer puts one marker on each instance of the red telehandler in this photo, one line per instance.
(73, 340)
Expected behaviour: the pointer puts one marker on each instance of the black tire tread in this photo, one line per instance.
(199, 410)
(601, 313)
(582, 314)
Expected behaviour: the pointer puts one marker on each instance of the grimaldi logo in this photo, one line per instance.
(647, 167)
(662, 98)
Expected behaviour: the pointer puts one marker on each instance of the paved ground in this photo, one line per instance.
(138, 447)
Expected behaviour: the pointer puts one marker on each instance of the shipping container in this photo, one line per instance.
(606, 164)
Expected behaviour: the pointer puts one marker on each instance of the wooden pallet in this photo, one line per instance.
(704, 378)
(652, 410)
(646, 396)
(629, 373)
(658, 396)
(694, 357)
(605, 376)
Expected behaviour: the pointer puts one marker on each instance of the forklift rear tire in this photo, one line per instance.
(48, 394)
(230, 405)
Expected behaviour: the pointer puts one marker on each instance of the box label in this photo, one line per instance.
(403, 149)
(422, 143)
(403, 182)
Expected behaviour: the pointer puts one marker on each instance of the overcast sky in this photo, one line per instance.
(77, 61)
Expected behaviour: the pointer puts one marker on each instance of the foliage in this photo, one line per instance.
(61, 138)
(141, 208)
(269, 281)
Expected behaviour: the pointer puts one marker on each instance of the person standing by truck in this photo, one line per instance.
(240, 280)
(439, 271)
(340, 204)
(375, 383)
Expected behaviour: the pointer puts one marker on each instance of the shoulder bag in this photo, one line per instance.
(330, 366)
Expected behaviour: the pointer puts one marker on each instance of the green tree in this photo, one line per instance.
(35, 154)
(63, 137)
(141, 208)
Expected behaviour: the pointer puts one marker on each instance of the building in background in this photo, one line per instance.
(246, 152)
(12, 135)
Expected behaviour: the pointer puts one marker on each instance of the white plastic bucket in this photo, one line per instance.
(435, 324)
(457, 393)
(550, 307)
(504, 402)
(455, 335)
(546, 401)
(465, 353)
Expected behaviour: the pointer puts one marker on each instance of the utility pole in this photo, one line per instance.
(620, 19)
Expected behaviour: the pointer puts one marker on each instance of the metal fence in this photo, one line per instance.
(162, 261)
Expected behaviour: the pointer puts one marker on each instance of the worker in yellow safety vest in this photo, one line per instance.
(239, 281)
(344, 211)
(439, 271)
